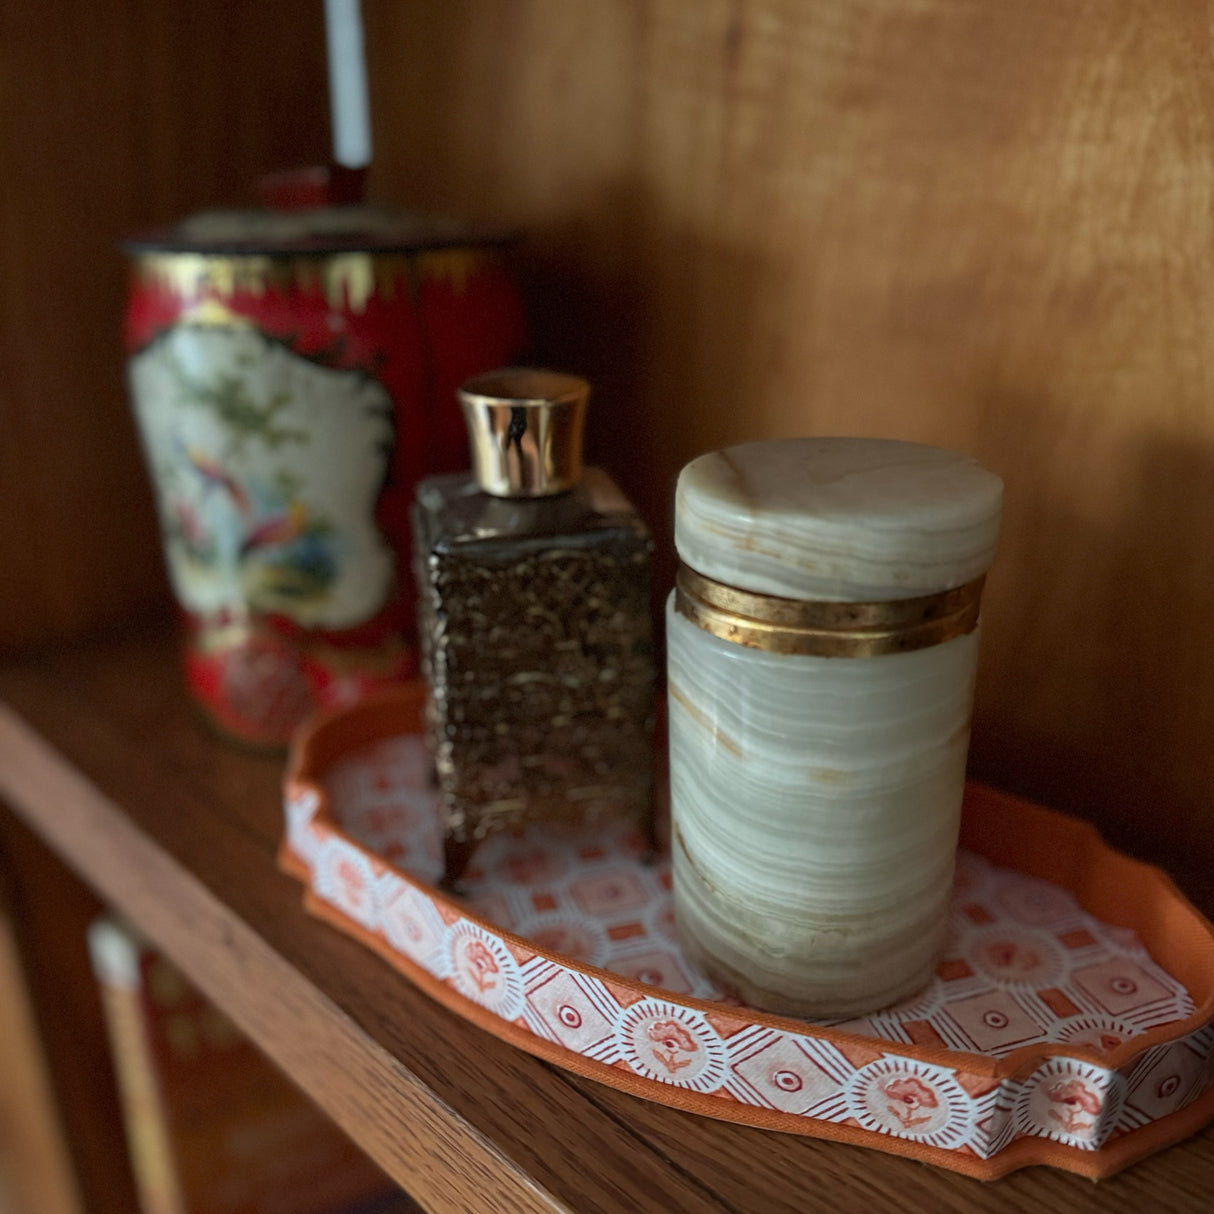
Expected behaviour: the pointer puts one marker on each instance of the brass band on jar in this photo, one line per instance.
(825, 629)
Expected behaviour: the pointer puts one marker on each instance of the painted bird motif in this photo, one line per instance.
(278, 529)
(213, 474)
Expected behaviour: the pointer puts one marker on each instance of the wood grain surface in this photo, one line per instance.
(102, 755)
(982, 226)
(115, 117)
(52, 911)
(36, 1161)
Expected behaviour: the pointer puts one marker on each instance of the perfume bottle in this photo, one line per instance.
(534, 615)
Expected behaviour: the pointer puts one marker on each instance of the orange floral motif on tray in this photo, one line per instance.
(351, 879)
(909, 1096)
(1076, 1100)
(481, 965)
(670, 1039)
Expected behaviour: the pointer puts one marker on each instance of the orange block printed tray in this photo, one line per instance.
(1069, 1022)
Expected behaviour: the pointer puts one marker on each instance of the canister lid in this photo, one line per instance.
(318, 230)
(838, 519)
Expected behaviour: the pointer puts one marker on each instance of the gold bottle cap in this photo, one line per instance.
(525, 428)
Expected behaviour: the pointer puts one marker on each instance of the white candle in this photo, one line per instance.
(348, 84)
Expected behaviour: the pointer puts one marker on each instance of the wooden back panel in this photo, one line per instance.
(114, 118)
(982, 226)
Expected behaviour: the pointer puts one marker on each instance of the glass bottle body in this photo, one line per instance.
(536, 641)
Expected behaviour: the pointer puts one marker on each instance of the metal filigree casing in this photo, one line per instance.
(536, 641)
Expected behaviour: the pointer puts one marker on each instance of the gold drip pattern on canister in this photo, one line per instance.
(346, 280)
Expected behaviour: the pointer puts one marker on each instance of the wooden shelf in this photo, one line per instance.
(102, 757)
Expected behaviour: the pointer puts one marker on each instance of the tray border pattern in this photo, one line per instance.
(1068, 1107)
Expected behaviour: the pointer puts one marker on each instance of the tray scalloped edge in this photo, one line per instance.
(1069, 1107)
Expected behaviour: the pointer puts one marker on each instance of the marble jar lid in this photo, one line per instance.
(838, 519)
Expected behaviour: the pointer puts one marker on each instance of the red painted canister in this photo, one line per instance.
(293, 374)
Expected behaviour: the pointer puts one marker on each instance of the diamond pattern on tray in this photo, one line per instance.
(1024, 962)
(1024, 965)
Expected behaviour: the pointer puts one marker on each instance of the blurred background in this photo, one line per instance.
(988, 227)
